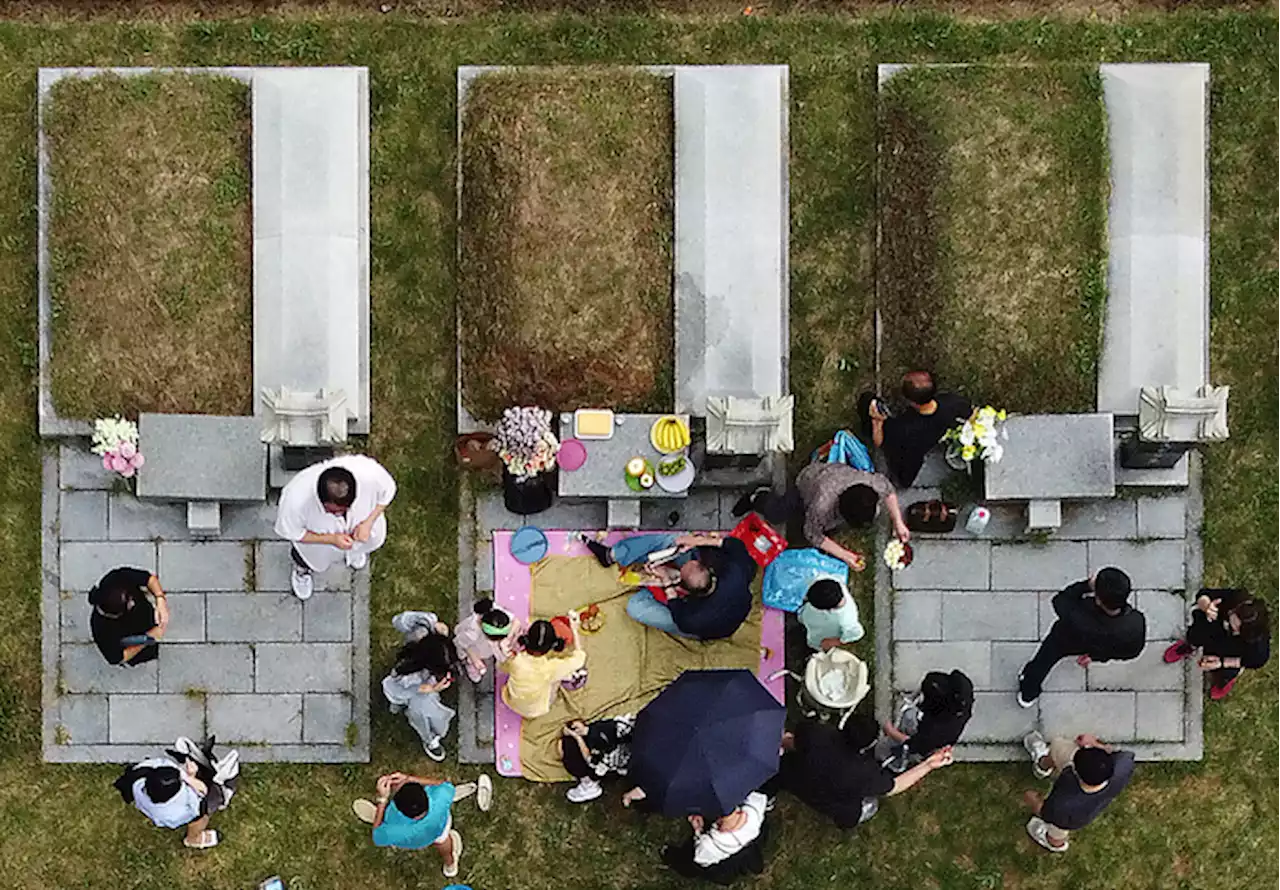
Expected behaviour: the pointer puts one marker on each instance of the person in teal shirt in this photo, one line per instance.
(829, 616)
(413, 813)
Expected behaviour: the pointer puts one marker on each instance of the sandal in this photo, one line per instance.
(484, 793)
(365, 810)
(451, 868)
(208, 838)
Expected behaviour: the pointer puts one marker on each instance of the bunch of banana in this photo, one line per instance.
(670, 434)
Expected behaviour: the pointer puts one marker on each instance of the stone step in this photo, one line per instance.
(1156, 330)
(731, 232)
(311, 234)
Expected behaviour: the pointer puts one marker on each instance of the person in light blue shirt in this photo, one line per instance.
(413, 813)
(829, 616)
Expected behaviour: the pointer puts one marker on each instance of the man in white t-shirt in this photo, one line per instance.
(333, 511)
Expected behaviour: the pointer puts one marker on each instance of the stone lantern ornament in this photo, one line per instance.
(1171, 422)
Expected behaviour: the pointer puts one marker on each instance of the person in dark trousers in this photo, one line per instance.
(944, 708)
(1095, 622)
(1088, 775)
(907, 436)
(1234, 631)
(130, 615)
(835, 771)
(589, 752)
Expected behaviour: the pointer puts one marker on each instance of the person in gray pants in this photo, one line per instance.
(425, 666)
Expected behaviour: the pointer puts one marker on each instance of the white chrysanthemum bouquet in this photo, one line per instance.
(525, 442)
(979, 436)
(116, 439)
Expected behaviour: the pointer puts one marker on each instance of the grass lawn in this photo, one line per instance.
(1208, 824)
(150, 245)
(993, 246)
(566, 241)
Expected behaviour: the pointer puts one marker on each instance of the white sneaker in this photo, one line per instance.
(1038, 749)
(302, 582)
(356, 560)
(434, 750)
(1039, 831)
(587, 789)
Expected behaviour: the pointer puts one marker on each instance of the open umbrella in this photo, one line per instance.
(706, 742)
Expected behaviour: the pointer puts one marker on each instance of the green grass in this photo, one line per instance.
(566, 241)
(150, 237)
(1208, 824)
(992, 261)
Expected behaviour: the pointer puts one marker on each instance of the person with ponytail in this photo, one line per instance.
(543, 664)
(488, 632)
(424, 667)
(939, 715)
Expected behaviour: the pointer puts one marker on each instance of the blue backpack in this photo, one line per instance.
(845, 448)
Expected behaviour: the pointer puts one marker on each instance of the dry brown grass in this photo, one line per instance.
(993, 195)
(150, 237)
(566, 241)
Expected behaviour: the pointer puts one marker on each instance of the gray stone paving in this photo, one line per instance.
(981, 604)
(243, 658)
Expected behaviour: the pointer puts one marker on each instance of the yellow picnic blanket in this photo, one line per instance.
(627, 663)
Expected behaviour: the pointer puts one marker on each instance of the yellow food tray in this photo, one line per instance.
(593, 423)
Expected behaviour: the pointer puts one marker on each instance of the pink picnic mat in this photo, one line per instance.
(512, 586)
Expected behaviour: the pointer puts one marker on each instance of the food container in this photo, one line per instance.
(593, 423)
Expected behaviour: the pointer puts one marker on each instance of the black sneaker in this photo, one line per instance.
(1023, 700)
(603, 554)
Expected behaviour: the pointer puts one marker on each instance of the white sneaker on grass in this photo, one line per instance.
(302, 582)
(1038, 748)
(356, 560)
(434, 749)
(1039, 831)
(587, 789)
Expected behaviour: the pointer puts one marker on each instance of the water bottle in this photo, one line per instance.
(979, 516)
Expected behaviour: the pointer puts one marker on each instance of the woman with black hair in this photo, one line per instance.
(1234, 630)
(545, 662)
(934, 720)
(487, 633)
(130, 615)
(424, 667)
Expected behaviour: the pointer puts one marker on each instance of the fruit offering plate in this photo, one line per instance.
(678, 475)
(636, 481)
(669, 434)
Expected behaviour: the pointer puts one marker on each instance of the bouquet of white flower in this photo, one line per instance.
(525, 442)
(116, 439)
(979, 436)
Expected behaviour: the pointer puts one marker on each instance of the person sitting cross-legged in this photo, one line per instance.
(1234, 631)
(907, 437)
(1095, 622)
(332, 512)
(1088, 775)
(707, 598)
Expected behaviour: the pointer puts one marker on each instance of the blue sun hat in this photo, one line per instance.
(529, 544)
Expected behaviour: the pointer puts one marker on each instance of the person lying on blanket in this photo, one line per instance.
(703, 591)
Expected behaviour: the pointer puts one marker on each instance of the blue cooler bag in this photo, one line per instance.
(788, 578)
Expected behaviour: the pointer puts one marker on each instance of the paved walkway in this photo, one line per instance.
(982, 605)
(243, 658)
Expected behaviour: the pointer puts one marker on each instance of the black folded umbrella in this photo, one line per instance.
(706, 742)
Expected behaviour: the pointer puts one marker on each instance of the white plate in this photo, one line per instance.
(680, 481)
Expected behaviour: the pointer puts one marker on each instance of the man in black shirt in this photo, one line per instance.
(1089, 775)
(708, 597)
(906, 437)
(836, 772)
(124, 623)
(1095, 622)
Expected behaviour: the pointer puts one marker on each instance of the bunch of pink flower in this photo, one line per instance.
(116, 439)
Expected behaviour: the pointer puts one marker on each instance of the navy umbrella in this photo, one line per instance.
(706, 742)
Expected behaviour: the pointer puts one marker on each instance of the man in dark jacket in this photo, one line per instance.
(708, 598)
(1095, 622)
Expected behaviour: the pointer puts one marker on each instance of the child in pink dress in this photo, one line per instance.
(488, 632)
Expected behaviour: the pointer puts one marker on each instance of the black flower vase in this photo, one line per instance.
(529, 495)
